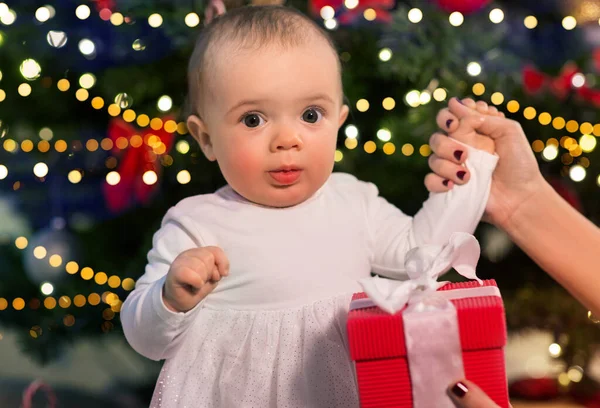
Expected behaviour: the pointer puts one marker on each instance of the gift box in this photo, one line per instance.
(378, 345)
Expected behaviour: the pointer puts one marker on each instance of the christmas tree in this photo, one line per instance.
(95, 149)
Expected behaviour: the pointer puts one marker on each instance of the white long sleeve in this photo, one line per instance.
(392, 233)
(150, 328)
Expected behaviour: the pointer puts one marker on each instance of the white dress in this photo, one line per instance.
(273, 333)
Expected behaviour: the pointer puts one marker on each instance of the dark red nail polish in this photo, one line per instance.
(459, 389)
(445, 182)
(449, 122)
(459, 101)
(461, 174)
(458, 154)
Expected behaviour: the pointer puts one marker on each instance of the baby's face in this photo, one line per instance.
(272, 116)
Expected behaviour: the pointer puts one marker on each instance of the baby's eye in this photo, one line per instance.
(312, 115)
(252, 120)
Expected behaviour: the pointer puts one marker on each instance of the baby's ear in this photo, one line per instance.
(343, 115)
(197, 128)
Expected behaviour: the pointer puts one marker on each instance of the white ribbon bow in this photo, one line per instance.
(424, 266)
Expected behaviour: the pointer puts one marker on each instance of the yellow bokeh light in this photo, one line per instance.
(63, 85)
(55, 260)
(537, 146)
(530, 22)
(79, 300)
(478, 89)
(150, 177)
(408, 149)
(143, 120)
(3, 304)
(558, 123)
(362, 105)
(97, 102)
(10, 145)
(74, 176)
(370, 146)
(114, 109)
(24, 90)
(106, 144)
(586, 128)
(569, 22)
(18, 303)
(513, 106)
(2, 95)
(116, 19)
(156, 123)
(350, 143)
(39, 252)
(529, 112)
(122, 143)
(27, 146)
(87, 273)
(94, 299)
(170, 126)
(182, 146)
(72, 267)
(389, 103)
(184, 176)
(425, 150)
(597, 129)
(92, 145)
(572, 126)
(440, 94)
(136, 141)
(21, 242)
(82, 94)
(113, 178)
(182, 128)
(370, 14)
(100, 278)
(338, 156)
(552, 142)
(114, 281)
(129, 115)
(50, 303)
(86, 81)
(128, 284)
(60, 146)
(587, 143)
(544, 118)
(64, 302)
(389, 148)
(497, 98)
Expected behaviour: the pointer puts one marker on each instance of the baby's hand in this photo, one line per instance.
(192, 276)
(470, 115)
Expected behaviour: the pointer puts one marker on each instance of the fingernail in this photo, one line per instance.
(459, 389)
(449, 122)
(459, 101)
(461, 174)
(458, 154)
(445, 182)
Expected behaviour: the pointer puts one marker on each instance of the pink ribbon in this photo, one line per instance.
(33, 388)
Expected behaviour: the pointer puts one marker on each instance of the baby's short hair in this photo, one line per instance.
(249, 26)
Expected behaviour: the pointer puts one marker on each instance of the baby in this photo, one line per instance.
(247, 290)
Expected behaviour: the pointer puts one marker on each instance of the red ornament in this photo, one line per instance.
(463, 6)
(134, 162)
(345, 15)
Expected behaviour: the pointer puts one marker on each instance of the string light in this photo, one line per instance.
(415, 15)
(456, 19)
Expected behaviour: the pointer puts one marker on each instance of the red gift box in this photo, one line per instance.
(377, 345)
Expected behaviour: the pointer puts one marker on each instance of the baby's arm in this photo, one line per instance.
(393, 233)
(150, 327)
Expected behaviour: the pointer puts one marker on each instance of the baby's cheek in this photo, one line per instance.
(246, 161)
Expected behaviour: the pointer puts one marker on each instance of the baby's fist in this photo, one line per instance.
(462, 119)
(192, 276)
